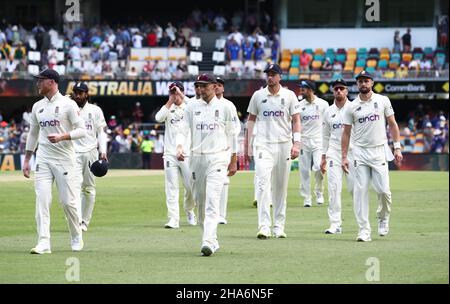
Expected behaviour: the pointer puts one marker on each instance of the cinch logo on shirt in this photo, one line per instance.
(372, 117)
(311, 117)
(206, 126)
(338, 126)
(88, 126)
(50, 123)
(175, 120)
(273, 113)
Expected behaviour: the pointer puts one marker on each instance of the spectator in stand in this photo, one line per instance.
(97, 68)
(156, 74)
(275, 49)
(402, 71)
(414, 66)
(220, 22)
(406, 39)
(428, 134)
(138, 113)
(397, 42)
(165, 40)
(233, 50)
(132, 73)
(236, 35)
(152, 39)
(247, 49)
(20, 52)
(137, 40)
(327, 65)
(259, 51)
(171, 31)
(438, 142)
(443, 31)
(95, 54)
(305, 59)
(75, 52)
(10, 66)
(180, 41)
(5, 51)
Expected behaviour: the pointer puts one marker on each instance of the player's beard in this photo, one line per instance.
(364, 90)
(81, 103)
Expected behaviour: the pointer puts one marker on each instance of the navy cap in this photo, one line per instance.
(365, 74)
(48, 74)
(80, 86)
(220, 80)
(176, 84)
(307, 84)
(339, 81)
(274, 68)
(99, 168)
(205, 78)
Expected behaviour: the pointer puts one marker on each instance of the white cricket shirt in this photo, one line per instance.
(94, 119)
(368, 119)
(333, 127)
(311, 117)
(273, 114)
(57, 115)
(172, 118)
(210, 124)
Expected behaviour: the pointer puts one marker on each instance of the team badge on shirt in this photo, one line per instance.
(41, 110)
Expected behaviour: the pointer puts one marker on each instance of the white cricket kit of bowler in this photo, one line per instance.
(55, 161)
(87, 153)
(371, 155)
(224, 194)
(333, 127)
(272, 152)
(212, 134)
(311, 116)
(172, 166)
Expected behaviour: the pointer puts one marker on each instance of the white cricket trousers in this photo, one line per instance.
(85, 185)
(272, 169)
(311, 151)
(335, 174)
(172, 169)
(370, 165)
(224, 198)
(64, 175)
(209, 172)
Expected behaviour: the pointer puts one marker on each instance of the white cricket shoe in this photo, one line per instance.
(77, 244)
(41, 248)
(191, 218)
(363, 236)
(334, 230)
(383, 227)
(83, 226)
(263, 233)
(307, 203)
(278, 232)
(222, 220)
(319, 198)
(172, 224)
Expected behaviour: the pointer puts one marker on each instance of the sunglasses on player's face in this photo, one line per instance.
(339, 89)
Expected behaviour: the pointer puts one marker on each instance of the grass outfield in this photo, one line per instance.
(127, 244)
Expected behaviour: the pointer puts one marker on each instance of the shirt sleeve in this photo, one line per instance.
(294, 107)
(184, 128)
(347, 116)
(325, 133)
(388, 110)
(162, 114)
(74, 113)
(252, 106)
(101, 122)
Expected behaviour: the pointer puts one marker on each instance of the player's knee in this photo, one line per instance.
(89, 190)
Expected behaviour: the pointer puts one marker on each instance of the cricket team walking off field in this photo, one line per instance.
(346, 140)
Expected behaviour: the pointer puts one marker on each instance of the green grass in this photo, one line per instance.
(127, 244)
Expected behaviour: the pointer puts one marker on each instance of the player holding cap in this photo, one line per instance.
(87, 152)
(277, 111)
(197, 93)
(332, 154)
(212, 132)
(220, 88)
(312, 109)
(171, 114)
(367, 115)
(55, 123)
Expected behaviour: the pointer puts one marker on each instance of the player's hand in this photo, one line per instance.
(54, 137)
(398, 157)
(345, 165)
(103, 156)
(248, 152)
(232, 168)
(180, 153)
(323, 166)
(26, 169)
(295, 150)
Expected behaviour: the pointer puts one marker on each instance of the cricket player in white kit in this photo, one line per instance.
(331, 154)
(212, 131)
(171, 114)
(276, 110)
(220, 88)
(88, 149)
(367, 115)
(55, 122)
(312, 109)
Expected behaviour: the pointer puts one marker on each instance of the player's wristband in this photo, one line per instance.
(297, 137)
(397, 145)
